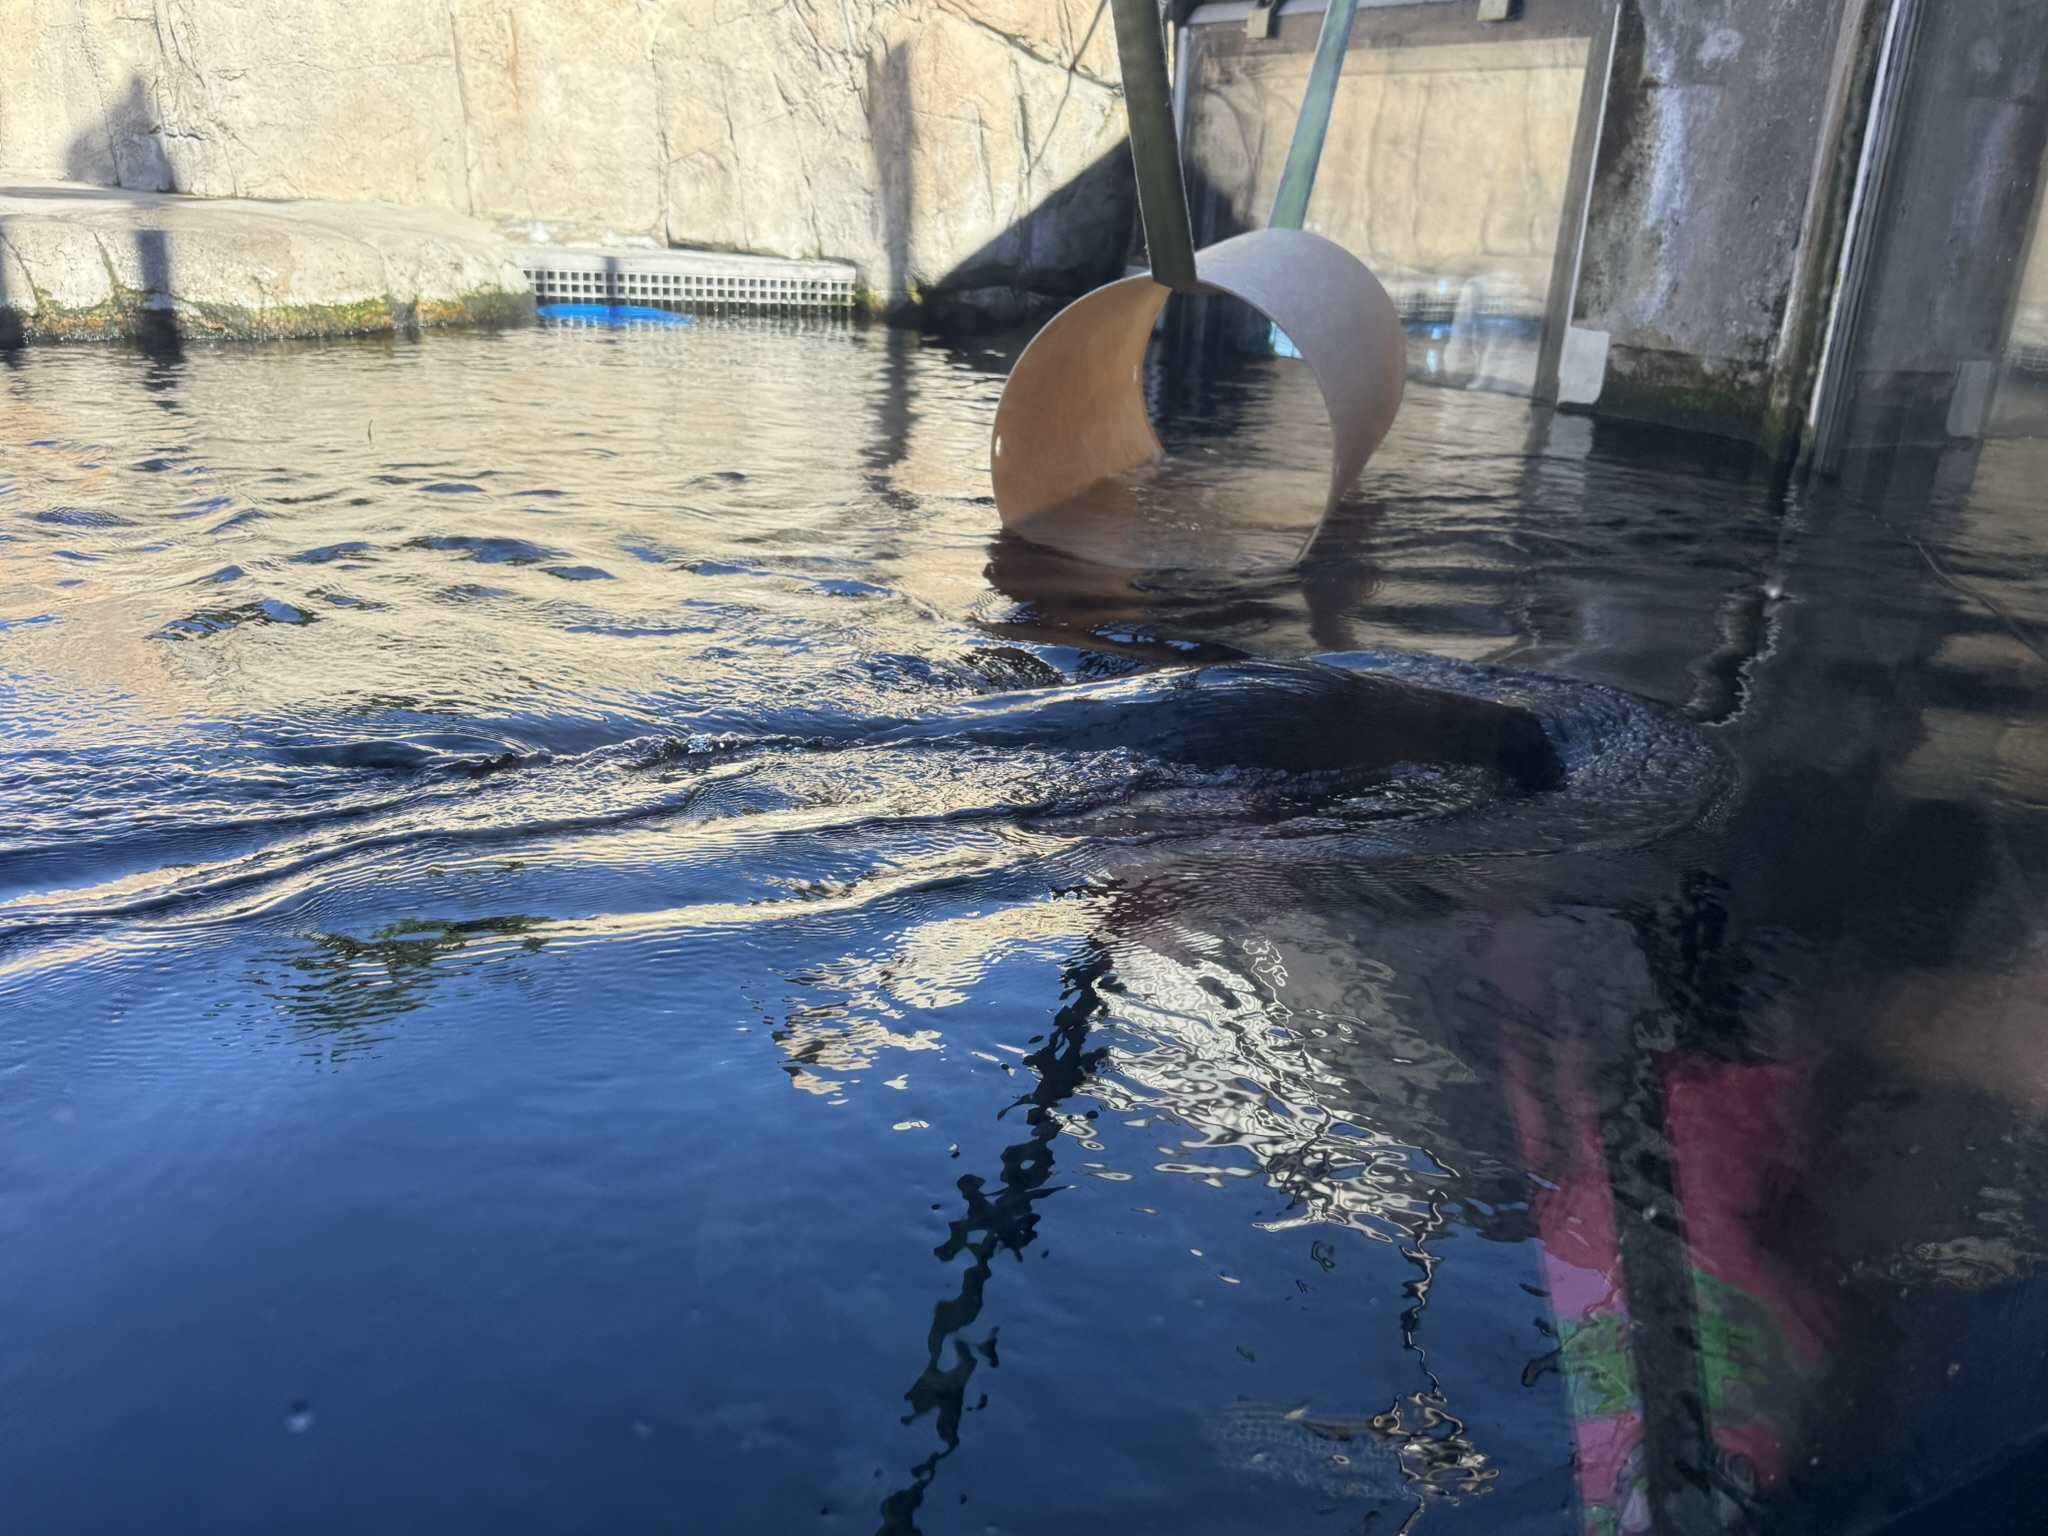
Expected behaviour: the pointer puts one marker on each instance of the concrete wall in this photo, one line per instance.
(934, 143)
(1733, 139)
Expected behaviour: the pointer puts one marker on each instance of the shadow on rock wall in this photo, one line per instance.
(1074, 240)
(1077, 239)
(126, 149)
(894, 129)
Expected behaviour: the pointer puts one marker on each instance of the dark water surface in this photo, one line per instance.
(519, 1016)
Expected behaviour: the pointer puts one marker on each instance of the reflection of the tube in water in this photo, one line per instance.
(1188, 512)
(1107, 575)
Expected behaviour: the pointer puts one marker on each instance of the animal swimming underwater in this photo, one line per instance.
(1287, 716)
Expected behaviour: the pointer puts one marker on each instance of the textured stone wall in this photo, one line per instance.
(937, 144)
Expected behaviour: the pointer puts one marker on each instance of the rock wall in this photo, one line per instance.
(965, 147)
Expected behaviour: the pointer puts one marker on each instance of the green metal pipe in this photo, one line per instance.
(1298, 178)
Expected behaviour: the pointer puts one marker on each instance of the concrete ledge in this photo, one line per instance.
(1719, 396)
(104, 263)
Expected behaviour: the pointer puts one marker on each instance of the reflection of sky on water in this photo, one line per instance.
(522, 1016)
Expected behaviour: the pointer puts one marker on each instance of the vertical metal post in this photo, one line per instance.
(1305, 152)
(1569, 259)
(1880, 133)
(1155, 147)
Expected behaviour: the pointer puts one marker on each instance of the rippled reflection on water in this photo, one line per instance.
(498, 1040)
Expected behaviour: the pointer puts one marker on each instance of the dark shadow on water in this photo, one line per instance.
(2011, 1495)
(893, 416)
(162, 381)
(991, 1224)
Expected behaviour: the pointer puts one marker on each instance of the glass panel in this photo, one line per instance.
(1445, 171)
(2022, 407)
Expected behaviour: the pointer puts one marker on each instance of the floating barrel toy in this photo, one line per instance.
(1073, 412)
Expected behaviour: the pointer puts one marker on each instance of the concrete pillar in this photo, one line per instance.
(1810, 211)
(1716, 207)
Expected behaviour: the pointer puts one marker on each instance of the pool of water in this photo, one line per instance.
(529, 1007)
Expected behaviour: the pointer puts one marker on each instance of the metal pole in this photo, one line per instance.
(1155, 148)
(1298, 177)
(1825, 408)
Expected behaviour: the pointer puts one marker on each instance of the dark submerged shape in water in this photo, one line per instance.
(1289, 716)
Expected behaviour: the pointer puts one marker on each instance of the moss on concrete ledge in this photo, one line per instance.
(126, 318)
(1672, 389)
(495, 309)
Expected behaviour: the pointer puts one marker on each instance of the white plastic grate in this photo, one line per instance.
(1436, 303)
(680, 280)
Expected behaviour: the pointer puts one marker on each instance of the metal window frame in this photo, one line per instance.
(1382, 23)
